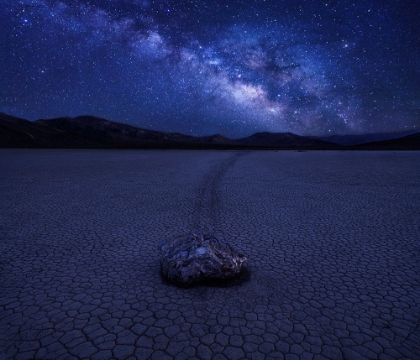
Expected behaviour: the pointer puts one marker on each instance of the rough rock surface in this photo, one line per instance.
(195, 258)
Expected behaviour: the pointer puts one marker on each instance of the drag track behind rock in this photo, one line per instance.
(207, 205)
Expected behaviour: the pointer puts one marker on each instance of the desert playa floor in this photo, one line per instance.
(332, 240)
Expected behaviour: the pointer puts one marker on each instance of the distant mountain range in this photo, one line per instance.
(92, 132)
(349, 140)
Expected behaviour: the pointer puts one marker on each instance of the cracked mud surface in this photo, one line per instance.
(332, 240)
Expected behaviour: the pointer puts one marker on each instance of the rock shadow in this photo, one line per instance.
(243, 277)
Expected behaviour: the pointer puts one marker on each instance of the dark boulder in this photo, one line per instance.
(196, 258)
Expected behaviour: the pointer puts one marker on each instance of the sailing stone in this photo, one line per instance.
(196, 258)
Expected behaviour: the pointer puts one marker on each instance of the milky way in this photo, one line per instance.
(204, 67)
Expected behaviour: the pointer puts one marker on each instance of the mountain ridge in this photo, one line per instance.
(357, 139)
(93, 132)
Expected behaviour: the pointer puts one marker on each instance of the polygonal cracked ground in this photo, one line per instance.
(331, 239)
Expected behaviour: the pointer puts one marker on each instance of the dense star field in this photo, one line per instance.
(202, 67)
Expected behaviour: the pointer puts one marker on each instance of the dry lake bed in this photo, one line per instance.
(332, 240)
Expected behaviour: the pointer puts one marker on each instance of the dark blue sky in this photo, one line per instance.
(203, 67)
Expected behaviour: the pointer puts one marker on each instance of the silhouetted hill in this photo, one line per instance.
(218, 139)
(93, 132)
(109, 133)
(16, 132)
(410, 142)
(112, 134)
(349, 140)
(286, 140)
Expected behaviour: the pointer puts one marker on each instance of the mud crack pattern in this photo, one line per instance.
(332, 241)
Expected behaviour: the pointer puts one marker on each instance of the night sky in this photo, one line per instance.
(204, 66)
